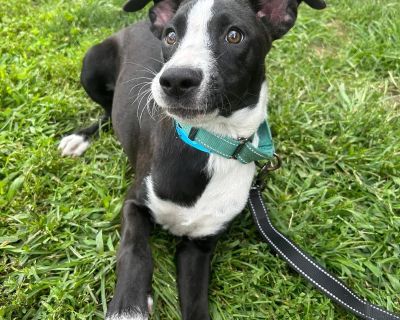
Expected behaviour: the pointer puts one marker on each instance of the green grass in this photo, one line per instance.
(334, 109)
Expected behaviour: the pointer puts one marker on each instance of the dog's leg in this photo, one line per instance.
(193, 266)
(131, 299)
(98, 77)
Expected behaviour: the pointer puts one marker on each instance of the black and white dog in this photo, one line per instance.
(210, 74)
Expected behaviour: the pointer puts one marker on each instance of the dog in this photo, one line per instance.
(198, 62)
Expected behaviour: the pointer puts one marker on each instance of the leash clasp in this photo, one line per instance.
(270, 166)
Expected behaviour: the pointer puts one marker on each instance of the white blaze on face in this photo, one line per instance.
(194, 49)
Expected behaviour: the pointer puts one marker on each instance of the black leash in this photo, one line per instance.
(309, 268)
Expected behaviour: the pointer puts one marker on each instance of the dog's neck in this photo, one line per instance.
(242, 123)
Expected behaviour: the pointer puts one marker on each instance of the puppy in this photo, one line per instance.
(197, 62)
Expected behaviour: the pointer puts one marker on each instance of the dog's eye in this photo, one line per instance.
(171, 38)
(234, 36)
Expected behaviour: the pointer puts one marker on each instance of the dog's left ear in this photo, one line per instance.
(280, 15)
(160, 14)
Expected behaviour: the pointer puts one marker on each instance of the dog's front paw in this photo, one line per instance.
(73, 145)
(132, 314)
(127, 316)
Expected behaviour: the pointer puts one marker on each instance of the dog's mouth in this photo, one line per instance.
(185, 108)
(191, 117)
(183, 112)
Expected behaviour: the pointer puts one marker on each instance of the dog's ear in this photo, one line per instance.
(280, 15)
(160, 14)
(135, 5)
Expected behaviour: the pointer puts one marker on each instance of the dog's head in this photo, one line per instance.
(214, 52)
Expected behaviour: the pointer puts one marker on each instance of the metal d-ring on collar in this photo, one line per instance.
(271, 166)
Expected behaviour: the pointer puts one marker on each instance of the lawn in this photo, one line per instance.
(335, 113)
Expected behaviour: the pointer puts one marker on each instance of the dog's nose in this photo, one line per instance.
(179, 81)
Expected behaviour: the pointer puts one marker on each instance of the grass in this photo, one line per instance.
(335, 113)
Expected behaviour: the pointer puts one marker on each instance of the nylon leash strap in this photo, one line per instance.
(309, 268)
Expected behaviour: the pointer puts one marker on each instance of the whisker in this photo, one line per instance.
(154, 107)
(141, 88)
(141, 96)
(144, 107)
(138, 78)
(156, 60)
(149, 110)
(142, 83)
(148, 92)
(153, 72)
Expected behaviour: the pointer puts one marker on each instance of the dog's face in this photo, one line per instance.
(214, 54)
(214, 51)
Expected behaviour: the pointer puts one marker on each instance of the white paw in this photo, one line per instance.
(127, 316)
(134, 315)
(150, 304)
(73, 145)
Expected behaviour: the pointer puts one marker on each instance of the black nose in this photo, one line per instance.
(177, 82)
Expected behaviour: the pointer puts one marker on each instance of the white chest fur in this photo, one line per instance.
(227, 191)
(224, 198)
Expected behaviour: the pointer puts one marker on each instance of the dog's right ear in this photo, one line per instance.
(279, 16)
(160, 14)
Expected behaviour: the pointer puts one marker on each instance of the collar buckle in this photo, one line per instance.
(242, 143)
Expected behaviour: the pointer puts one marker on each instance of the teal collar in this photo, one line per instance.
(242, 149)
